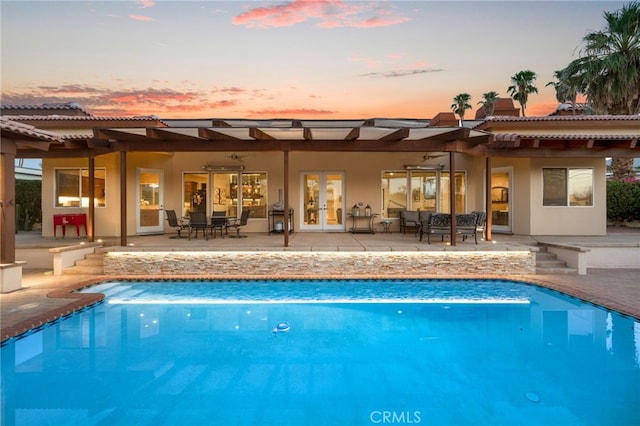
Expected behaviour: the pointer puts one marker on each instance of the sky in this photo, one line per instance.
(330, 59)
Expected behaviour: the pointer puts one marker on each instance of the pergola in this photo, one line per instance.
(374, 135)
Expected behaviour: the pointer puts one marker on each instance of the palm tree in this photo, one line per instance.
(566, 89)
(608, 72)
(460, 105)
(522, 86)
(488, 102)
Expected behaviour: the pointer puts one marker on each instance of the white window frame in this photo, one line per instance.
(80, 170)
(567, 201)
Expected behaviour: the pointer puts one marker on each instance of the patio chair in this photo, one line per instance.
(179, 225)
(238, 223)
(438, 224)
(198, 221)
(409, 219)
(481, 223)
(466, 226)
(218, 223)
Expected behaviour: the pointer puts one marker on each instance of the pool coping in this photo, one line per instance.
(571, 285)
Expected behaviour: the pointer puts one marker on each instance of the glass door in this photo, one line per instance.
(323, 201)
(501, 199)
(150, 210)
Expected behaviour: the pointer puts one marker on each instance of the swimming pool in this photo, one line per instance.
(436, 352)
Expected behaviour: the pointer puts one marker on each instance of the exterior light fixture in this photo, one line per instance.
(423, 167)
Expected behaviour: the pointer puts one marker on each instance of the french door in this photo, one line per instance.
(149, 205)
(322, 201)
(501, 199)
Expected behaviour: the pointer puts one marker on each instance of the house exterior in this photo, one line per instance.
(547, 174)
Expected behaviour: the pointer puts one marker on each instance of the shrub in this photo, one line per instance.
(28, 204)
(623, 200)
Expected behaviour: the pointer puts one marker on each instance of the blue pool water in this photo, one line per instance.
(445, 352)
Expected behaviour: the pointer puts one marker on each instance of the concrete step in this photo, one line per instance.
(556, 271)
(84, 270)
(92, 264)
(549, 264)
(545, 255)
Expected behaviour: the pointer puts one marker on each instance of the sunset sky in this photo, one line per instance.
(285, 59)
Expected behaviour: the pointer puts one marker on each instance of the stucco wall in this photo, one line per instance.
(590, 220)
(362, 179)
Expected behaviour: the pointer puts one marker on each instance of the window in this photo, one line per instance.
(460, 196)
(195, 192)
(394, 193)
(254, 194)
(72, 187)
(567, 187)
(224, 194)
(425, 190)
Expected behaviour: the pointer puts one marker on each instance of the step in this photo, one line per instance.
(84, 270)
(92, 264)
(556, 271)
(551, 263)
(545, 255)
(94, 261)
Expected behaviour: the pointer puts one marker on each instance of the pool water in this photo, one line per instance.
(432, 352)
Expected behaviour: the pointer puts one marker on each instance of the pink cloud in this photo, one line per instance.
(134, 101)
(141, 18)
(368, 62)
(396, 55)
(146, 3)
(329, 13)
(291, 112)
(232, 90)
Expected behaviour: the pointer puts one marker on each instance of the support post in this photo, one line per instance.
(488, 206)
(286, 197)
(10, 270)
(452, 195)
(92, 198)
(8, 203)
(123, 198)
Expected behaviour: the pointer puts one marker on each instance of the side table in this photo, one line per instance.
(386, 225)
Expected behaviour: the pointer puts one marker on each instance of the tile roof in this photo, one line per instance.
(68, 108)
(510, 137)
(16, 128)
(66, 105)
(555, 118)
(54, 117)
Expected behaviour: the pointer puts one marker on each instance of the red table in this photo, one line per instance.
(75, 219)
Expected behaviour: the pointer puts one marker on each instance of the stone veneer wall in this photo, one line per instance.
(274, 264)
